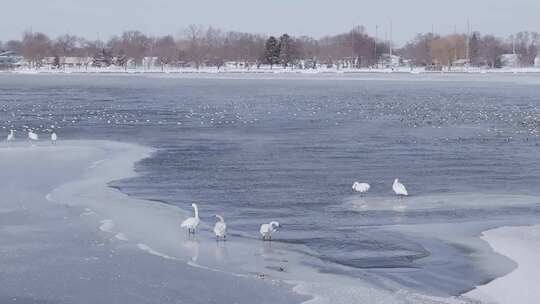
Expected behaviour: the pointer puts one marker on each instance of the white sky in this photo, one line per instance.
(90, 18)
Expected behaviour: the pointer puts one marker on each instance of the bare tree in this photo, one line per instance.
(195, 48)
(134, 45)
(166, 50)
(419, 49)
(65, 45)
(491, 49)
(35, 47)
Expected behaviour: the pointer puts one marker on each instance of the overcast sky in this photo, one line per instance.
(104, 18)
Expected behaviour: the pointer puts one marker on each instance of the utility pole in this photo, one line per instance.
(352, 46)
(468, 41)
(390, 44)
(376, 41)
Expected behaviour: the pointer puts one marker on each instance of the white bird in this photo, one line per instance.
(32, 136)
(10, 136)
(192, 222)
(267, 230)
(399, 188)
(361, 187)
(54, 137)
(220, 228)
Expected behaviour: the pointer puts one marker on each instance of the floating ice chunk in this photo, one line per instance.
(106, 226)
(121, 236)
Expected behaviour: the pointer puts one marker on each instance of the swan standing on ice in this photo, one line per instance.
(267, 230)
(220, 228)
(192, 222)
(361, 187)
(10, 136)
(32, 136)
(399, 188)
(54, 138)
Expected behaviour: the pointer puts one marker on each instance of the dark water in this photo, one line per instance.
(289, 149)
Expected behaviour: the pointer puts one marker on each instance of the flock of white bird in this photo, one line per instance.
(398, 188)
(220, 227)
(266, 230)
(32, 137)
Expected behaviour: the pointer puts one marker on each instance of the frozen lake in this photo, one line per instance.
(285, 148)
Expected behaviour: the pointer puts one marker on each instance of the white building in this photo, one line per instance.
(389, 61)
(510, 60)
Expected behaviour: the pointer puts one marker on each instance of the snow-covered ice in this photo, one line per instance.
(62, 220)
(522, 245)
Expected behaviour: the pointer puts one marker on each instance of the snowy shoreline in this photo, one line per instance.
(522, 245)
(80, 241)
(275, 71)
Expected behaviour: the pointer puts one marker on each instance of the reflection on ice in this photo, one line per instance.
(221, 253)
(192, 245)
(439, 202)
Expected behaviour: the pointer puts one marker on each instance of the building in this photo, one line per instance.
(389, 61)
(10, 60)
(509, 60)
(537, 61)
(461, 63)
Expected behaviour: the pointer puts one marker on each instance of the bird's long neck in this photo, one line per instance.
(196, 211)
(220, 218)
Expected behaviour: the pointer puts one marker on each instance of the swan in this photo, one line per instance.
(54, 137)
(10, 136)
(361, 187)
(399, 188)
(267, 230)
(192, 222)
(32, 136)
(220, 228)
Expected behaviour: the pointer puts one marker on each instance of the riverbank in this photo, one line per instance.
(268, 71)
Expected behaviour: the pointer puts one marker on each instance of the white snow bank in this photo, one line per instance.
(521, 244)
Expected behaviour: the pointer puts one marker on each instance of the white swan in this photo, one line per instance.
(399, 188)
(220, 228)
(54, 138)
(11, 136)
(361, 187)
(192, 222)
(32, 136)
(267, 230)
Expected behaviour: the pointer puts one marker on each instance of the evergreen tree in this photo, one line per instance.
(474, 49)
(285, 50)
(271, 51)
(56, 62)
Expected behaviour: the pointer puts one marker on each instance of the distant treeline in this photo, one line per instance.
(209, 46)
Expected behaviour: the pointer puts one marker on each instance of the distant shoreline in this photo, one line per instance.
(277, 71)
